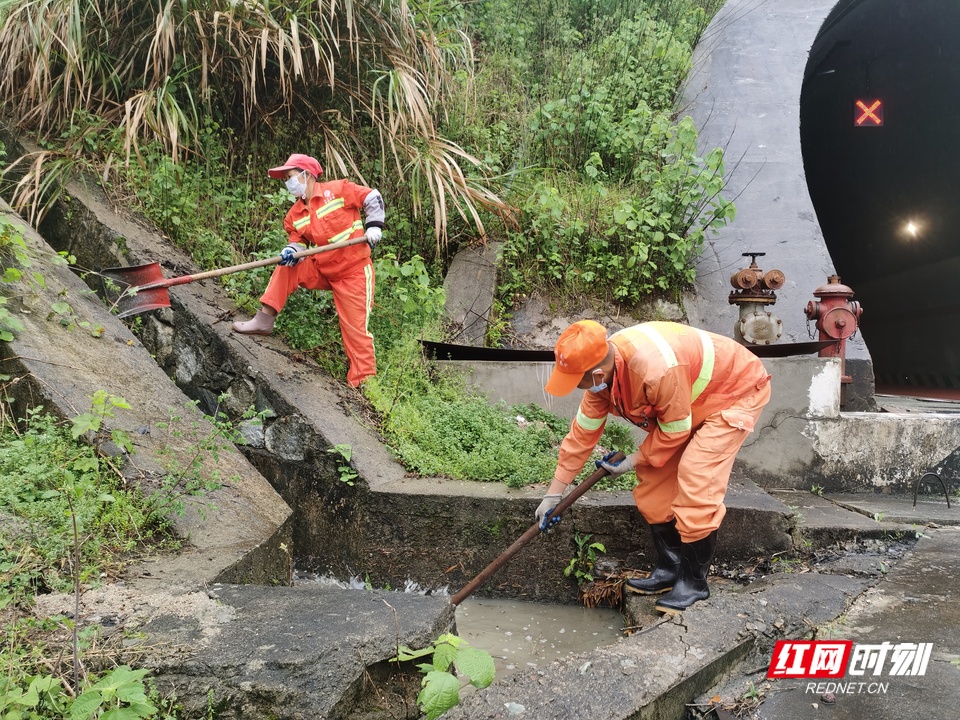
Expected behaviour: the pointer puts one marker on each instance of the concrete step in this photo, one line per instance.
(822, 521)
(929, 509)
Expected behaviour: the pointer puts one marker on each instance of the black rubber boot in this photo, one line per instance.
(691, 585)
(666, 540)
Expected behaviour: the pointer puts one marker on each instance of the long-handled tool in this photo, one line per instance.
(530, 534)
(146, 289)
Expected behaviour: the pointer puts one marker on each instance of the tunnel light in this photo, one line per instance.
(912, 229)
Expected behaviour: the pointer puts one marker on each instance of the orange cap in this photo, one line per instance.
(581, 348)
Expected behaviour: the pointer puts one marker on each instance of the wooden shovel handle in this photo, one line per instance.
(530, 534)
(250, 265)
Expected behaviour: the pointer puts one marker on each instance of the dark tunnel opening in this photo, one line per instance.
(880, 138)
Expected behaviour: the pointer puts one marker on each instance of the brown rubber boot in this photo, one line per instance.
(261, 324)
(666, 541)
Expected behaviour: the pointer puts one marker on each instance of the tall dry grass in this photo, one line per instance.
(157, 69)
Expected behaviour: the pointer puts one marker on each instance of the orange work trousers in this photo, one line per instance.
(353, 298)
(692, 484)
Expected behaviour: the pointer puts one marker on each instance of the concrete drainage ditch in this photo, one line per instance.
(315, 652)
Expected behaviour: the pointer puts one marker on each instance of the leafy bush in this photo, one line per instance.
(613, 201)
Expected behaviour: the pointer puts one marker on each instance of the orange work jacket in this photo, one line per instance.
(668, 378)
(331, 216)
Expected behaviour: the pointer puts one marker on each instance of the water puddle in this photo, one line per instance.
(522, 635)
(519, 635)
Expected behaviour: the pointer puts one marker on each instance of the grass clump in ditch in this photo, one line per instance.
(437, 425)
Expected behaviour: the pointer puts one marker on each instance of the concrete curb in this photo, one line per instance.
(657, 671)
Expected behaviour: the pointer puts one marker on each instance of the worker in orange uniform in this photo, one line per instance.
(697, 395)
(325, 213)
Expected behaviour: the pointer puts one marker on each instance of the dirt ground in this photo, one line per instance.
(117, 605)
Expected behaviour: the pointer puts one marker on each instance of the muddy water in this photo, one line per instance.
(522, 635)
(519, 635)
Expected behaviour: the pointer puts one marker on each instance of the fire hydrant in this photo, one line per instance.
(838, 318)
(753, 290)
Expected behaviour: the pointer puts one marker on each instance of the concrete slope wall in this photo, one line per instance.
(60, 360)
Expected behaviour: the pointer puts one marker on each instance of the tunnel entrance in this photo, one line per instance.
(878, 115)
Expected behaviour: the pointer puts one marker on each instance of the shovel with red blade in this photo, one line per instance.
(144, 287)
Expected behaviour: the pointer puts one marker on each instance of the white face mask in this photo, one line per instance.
(295, 186)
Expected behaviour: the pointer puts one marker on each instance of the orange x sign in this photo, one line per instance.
(870, 115)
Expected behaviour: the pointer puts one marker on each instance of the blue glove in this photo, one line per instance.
(286, 255)
(619, 468)
(545, 514)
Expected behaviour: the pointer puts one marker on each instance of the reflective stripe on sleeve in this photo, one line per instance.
(301, 223)
(588, 423)
(677, 425)
(706, 370)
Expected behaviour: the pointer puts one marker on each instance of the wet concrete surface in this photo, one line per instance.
(916, 602)
(666, 662)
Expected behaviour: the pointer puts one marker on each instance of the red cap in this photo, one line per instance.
(297, 162)
(581, 348)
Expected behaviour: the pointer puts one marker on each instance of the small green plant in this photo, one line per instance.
(17, 266)
(344, 467)
(451, 658)
(584, 560)
(199, 475)
(817, 490)
(90, 424)
(119, 694)
(784, 564)
(879, 516)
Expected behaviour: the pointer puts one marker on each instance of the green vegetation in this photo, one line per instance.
(69, 521)
(451, 657)
(584, 560)
(439, 426)
(550, 128)
(344, 452)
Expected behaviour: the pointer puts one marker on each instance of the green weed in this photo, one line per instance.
(198, 474)
(69, 521)
(441, 686)
(345, 468)
(581, 565)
